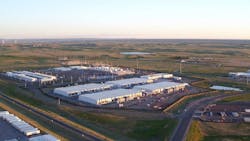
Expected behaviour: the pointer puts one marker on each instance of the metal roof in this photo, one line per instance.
(109, 94)
(85, 87)
(129, 81)
(160, 85)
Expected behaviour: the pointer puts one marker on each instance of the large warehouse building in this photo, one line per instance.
(125, 83)
(104, 97)
(159, 87)
(28, 76)
(239, 74)
(157, 76)
(81, 89)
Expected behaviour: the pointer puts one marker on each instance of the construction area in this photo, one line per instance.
(15, 129)
(225, 113)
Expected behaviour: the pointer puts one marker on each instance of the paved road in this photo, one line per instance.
(186, 116)
(66, 126)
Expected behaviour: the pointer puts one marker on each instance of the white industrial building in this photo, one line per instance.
(31, 76)
(81, 89)
(116, 95)
(239, 74)
(157, 76)
(19, 124)
(124, 83)
(159, 87)
(46, 137)
(79, 67)
(22, 77)
(62, 69)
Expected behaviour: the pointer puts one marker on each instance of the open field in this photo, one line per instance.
(194, 133)
(239, 98)
(204, 58)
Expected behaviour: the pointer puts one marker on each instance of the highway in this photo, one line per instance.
(66, 126)
(186, 117)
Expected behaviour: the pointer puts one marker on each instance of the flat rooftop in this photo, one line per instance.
(160, 85)
(110, 94)
(128, 81)
(85, 87)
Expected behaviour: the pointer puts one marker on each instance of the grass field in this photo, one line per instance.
(194, 133)
(208, 131)
(153, 130)
(204, 59)
(245, 97)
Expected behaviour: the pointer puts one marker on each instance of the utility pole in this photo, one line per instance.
(59, 101)
(137, 64)
(180, 68)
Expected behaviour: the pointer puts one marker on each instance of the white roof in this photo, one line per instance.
(32, 76)
(157, 75)
(63, 69)
(159, 85)
(240, 73)
(46, 137)
(109, 94)
(19, 124)
(225, 88)
(85, 87)
(79, 67)
(129, 81)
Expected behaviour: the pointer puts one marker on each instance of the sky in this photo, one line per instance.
(192, 19)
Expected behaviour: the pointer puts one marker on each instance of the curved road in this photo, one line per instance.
(185, 118)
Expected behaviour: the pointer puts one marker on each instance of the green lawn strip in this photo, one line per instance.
(147, 130)
(181, 106)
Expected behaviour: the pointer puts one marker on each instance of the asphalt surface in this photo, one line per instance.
(185, 118)
(84, 134)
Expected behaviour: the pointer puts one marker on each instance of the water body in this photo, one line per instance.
(215, 87)
(135, 53)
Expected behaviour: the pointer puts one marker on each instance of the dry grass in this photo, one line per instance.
(194, 133)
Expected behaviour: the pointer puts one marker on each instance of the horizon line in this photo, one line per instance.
(107, 38)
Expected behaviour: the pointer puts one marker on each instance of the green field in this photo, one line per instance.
(153, 130)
